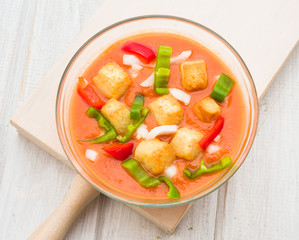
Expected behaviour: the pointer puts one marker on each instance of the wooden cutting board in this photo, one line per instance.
(263, 32)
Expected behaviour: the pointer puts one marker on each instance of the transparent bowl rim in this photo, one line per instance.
(176, 18)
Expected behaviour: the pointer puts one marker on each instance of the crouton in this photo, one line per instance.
(167, 110)
(207, 109)
(117, 114)
(154, 155)
(185, 143)
(112, 80)
(194, 75)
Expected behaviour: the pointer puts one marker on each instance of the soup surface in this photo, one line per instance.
(110, 170)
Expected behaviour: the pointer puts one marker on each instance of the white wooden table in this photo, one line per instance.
(260, 202)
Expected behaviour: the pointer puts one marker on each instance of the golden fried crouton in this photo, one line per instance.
(207, 109)
(117, 114)
(112, 80)
(167, 110)
(154, 155)
(194, 75)
(185, 143)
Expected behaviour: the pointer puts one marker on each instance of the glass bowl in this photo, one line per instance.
(150, 24)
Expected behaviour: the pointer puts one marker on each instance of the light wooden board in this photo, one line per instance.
(25, 16)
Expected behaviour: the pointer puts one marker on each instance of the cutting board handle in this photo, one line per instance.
(78, 197)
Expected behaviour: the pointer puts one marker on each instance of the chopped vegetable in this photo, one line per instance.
(142, 131)
(180, 95)
(163, 57)
(141, 50)
(161, 80)
(86, 91)
(212, 134)
(173, 192)
(139, 174)
(162, 70)
(181, 57)
(119, 151)
(171, 171)
(212, 148)
(91, 154)
(108, 136)
(136, 68)
(134, 75)
(133, 127)
(162, 130)
(149, 81)
(131, 60)
(103, 123)
(222, 87)
(137, 105)
(224, 162)
(217, 138)
(134, 62)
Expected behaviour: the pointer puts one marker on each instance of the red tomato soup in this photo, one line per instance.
(110, 170)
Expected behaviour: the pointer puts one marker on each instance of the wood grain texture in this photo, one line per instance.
(259, 202)
(57, 225)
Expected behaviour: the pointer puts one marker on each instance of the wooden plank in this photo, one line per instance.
(168, 218)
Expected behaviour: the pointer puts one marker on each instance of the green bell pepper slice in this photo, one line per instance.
(161, 80)
(224, 162)
(135, 112)
(108, 136)
(222, 87)
(162, 70)
(173, 191)
(103, 123)
(139, 174)
(163, 57)
(131, 128)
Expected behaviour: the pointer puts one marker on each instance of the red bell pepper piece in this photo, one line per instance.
(119, 151)
(86, 91)
(210, 136)
(141, 50)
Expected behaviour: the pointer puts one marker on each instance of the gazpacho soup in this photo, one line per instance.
(157, 116)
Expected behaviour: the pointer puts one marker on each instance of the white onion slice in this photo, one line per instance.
(91, 154)
(142, 131)
(217, 77)
(217, 138)
(180, 95)
(171, 171)
(212, 148)
(182, 57)
(136, 67)
(129, 60)
(149, 81)
(161, 130)
(133, 74)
